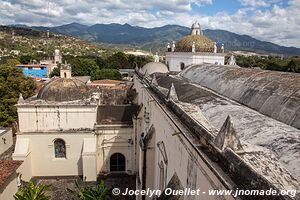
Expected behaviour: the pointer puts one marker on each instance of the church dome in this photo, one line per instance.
(202, 44)
(63, 89)
(154, 67)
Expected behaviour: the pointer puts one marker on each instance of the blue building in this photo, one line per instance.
(34, 70)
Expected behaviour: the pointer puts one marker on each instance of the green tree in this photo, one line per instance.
(101, 192)
(32, 192)
(101, 62)
(139, 61)
(25, 59)
(12, 83)
(118, 60)
(83, 66)
(293, 67)
(106, 74)
(55, 72)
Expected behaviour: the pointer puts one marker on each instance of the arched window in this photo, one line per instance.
(182, 66)
(65, 75)
(117, 162)
(59, 148)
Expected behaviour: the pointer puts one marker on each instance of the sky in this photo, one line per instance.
(276, 21)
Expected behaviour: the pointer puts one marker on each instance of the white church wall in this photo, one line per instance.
(89, 167)
(115, 139)
(89, 159)
(43, 161)
(174, 59)
(183, 158)
(25, 168)
(50, 118)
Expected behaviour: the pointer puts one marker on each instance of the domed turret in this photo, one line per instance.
(63, 89)
(196, 29)
(195, 42)
(155, 67)
(201, 43)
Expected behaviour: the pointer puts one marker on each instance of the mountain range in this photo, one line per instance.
(155, 38)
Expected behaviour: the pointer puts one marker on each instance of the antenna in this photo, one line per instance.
(48, 23)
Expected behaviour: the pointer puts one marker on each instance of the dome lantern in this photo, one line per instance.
(196, 29)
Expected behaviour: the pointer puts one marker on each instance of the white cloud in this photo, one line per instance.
(255, 3)
(265, 20)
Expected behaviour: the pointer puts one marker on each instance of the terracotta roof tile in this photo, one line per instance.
(7, 168)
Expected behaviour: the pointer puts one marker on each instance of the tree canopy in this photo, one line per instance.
(12, 83)
(25, 59)
(83, 66)
(55, 72)
(106, 74)
(103, 68)
(118, 60)
(274, 63)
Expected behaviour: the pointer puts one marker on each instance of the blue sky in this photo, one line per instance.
(229, 6)
(276, 21)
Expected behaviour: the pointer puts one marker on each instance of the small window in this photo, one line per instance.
(117, 162)
(59, 148)
(182, 65)
(65, 75)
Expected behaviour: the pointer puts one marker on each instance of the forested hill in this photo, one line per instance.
(24, 40)
(147, 38)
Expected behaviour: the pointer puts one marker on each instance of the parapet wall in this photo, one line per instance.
(275, 94)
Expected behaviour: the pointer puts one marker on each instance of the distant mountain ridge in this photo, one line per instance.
(149, 38)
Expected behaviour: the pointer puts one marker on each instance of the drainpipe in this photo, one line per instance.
(144, 172)
(143, 146)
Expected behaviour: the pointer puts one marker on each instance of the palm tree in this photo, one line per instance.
(100, 192)
(32, 192)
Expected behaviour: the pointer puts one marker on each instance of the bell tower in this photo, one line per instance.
(196, 29)
(65, 71)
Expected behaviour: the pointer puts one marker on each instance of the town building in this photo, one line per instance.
(193, 49)
(39, 71)
(66, 126)
(43, 69)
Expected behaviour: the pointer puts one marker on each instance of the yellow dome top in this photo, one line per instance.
(202, 44)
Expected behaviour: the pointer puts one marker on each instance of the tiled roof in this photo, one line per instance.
(7, 168)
